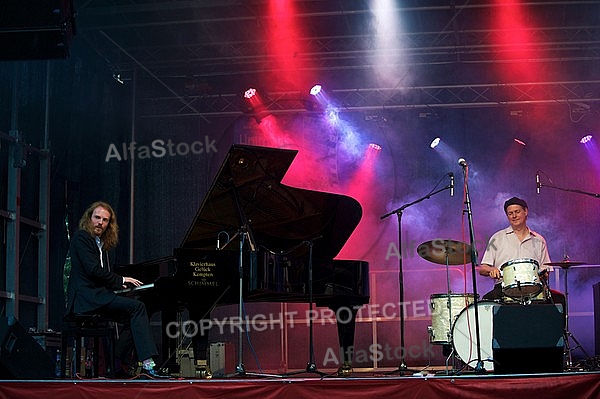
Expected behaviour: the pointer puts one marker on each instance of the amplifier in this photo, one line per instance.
(21, 357)
(221, 357)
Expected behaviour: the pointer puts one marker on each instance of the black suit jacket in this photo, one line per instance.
(91, 286)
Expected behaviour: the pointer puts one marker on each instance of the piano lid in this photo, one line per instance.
(248, 188)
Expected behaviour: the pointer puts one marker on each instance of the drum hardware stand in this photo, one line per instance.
(544, 279)
(568, 334)
(452, 356)
(565, 265)
(450, 315)
(480, 368)
(402, 367)
(458, 250)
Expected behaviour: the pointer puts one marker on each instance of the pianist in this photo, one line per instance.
(92, 283)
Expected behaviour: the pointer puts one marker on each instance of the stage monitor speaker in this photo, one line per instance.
(21, 357)
(528, 339)
(36, 29)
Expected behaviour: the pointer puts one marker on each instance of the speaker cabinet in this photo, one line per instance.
(528, 339)
(21, 357)
(35, 29)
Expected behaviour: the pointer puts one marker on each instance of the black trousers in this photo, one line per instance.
(133, 312)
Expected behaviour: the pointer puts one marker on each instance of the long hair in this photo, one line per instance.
(110, 237)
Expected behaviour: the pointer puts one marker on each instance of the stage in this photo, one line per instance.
(360, 385)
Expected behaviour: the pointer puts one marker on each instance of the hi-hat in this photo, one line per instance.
(565, 264)
(445, 252)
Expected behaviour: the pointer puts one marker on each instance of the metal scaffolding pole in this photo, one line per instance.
(13, 207)
(44, 214)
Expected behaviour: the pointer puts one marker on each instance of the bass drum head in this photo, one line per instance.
(464, 339)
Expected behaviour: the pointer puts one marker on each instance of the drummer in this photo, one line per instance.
(517, 241)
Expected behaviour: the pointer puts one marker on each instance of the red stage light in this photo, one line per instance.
(251, 92)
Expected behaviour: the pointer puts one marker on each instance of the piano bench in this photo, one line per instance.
(77, 331)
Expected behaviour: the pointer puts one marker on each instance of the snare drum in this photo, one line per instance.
(539, 298)
(444, 311)
(520, 278)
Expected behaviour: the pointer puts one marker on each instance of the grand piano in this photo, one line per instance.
(256, 234)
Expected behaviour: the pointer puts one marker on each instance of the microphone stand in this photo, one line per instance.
(479, 368)
(311, 366)
(245, 234)
(567, 333)
(570, 190)
(402, 368)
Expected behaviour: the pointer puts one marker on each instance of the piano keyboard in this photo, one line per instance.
(134, 289)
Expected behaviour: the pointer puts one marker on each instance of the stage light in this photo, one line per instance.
(519, 142)
(316, 89)
(435, 142)
(251, 92)
(375, 147)
(586, 139)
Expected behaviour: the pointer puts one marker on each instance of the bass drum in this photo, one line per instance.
(464, 339)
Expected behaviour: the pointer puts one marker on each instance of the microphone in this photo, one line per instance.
(451, 184)
(462, 162)
(219, 239)
(537, 181)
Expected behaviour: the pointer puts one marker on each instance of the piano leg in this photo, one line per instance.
(346, 324)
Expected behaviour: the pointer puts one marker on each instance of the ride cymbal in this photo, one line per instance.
(444, 252)
(565, 264)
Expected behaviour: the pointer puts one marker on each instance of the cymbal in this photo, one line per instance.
(565, 264)
(444, 251)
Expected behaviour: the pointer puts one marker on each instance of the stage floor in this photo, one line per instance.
(360, 385)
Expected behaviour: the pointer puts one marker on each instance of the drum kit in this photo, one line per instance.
(453, 315)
